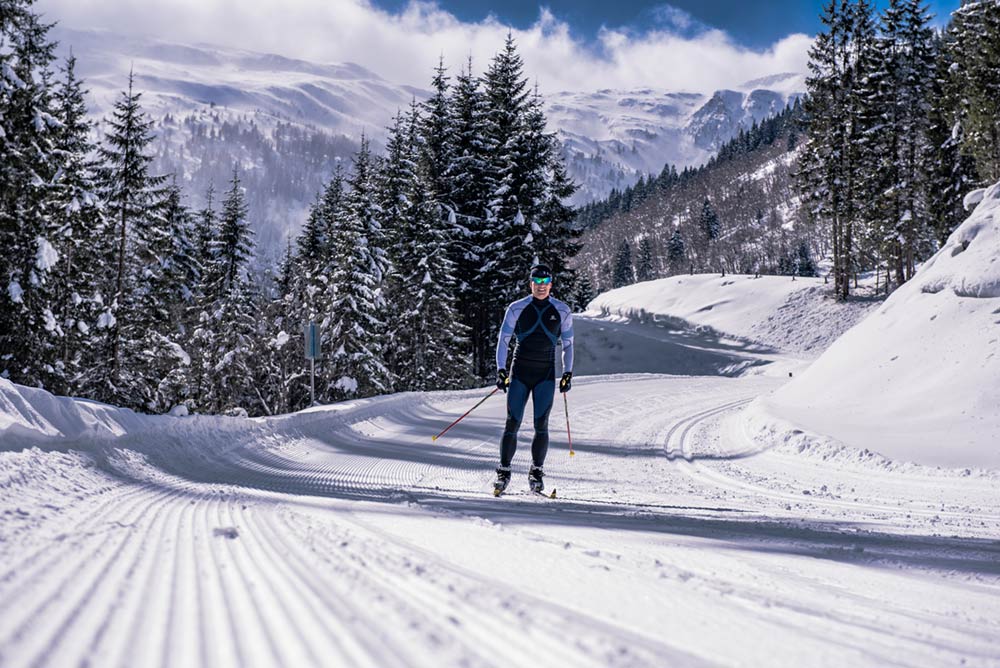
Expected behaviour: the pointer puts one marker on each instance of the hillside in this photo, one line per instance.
(749, 188)
(917, 380)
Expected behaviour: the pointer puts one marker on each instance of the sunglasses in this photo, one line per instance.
(541, 280)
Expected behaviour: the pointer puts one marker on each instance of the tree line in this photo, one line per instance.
(902, 121)
(114, 289)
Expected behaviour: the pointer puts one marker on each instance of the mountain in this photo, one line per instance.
(288, 122)
(611, 137)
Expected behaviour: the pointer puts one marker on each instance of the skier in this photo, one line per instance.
(537, 322)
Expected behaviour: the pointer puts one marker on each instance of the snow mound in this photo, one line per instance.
(791, 316)
(919, 380)
(29, 416)
(727, 304)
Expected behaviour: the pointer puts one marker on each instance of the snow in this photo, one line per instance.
(15, 292)
(917, 380)
(281, 339)
(693, 527)
(735, 305)
(347, 384)
(106, 320)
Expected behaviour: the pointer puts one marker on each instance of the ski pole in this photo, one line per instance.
(568, 434)
(495, 390)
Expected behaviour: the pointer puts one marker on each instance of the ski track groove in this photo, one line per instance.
(263, 563)
(51, 588)
(309, 599)
(359, 642)
(100, 571)
(686, 461)
(94, 518)
(136, 597)
(422, 599)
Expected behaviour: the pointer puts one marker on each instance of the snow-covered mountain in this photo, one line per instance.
(341, 98)
(611, 137)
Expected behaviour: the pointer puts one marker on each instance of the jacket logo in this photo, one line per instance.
(552, 317)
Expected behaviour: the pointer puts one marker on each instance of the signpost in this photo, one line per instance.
(312, 352)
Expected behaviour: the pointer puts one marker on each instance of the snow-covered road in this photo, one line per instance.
(344, 536)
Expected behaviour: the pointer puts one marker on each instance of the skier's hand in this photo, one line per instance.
(502, 380)
(566, 382)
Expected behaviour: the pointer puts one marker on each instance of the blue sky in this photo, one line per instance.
(756, 24)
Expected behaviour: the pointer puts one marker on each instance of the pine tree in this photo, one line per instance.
(676, 252)
(29, 331)
(355, 327)
(644, 272)
(624, 271)
(974, 50)
(226, 332)
(80, 230)
(133, 204)
(584, 293)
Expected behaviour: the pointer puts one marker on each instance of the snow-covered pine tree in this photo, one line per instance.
(952, 168)
(430, 342)
(624, 271)
(80, 235)
(897, 154)
(584, 293)
(974, 41)
(226, 331)
(836, 159)
(676, 253)
(29, 331)
(644, 271)
(355, 328)
(167, 297)
(711, 229)
(472, 183)
(133, 199)
(510, 252)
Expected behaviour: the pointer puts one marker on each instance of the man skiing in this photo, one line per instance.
(537, 322)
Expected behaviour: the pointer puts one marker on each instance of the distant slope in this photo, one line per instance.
(750, 186)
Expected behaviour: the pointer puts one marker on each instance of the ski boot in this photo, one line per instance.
(535, 476)
(503, 479)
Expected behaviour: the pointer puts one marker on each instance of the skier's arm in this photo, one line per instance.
(567, 341)
(506, 332)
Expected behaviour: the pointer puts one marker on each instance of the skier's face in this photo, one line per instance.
(540, 290)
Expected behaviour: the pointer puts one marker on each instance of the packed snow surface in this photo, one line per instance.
(343, 535)
(919, 379)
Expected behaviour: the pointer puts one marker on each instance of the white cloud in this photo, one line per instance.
(404, 47)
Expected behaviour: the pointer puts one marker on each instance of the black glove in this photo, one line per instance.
(566, 382)
(502, 380)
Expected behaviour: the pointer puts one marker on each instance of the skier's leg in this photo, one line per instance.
(542, 396)
(517, 397)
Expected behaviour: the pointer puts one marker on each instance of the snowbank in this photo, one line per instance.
(728, 304)
(791, 316)
(29, 416)
(918, 380)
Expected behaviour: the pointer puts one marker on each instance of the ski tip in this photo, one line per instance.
(434, 438)
(553, 494)
(496, 492)
(572, 453)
